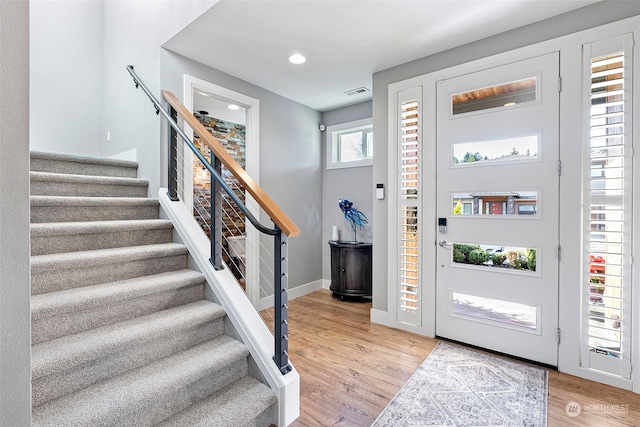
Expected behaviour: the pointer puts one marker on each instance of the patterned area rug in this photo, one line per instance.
(455, 386)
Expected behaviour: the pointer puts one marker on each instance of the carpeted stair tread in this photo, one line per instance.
(85, 165)
(77, 209)
(70, 311)
(96, 227)
(151, 393)
(66, 352)
(90, 297)
(56, 272)
(238, 404)
(49, 238)
(61, 261)
(58, 184)
(88, 179)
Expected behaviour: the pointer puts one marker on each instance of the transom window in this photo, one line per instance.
(350, 144)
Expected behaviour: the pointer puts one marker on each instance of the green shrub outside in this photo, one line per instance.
(498, 258)
(478, 256)
(461, 252)
(472, 254)
(531, 259)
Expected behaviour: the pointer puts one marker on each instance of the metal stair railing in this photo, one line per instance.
(283, 227)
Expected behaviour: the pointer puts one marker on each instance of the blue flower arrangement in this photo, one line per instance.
(355, 217)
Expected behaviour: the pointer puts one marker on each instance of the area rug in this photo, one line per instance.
(456, 386)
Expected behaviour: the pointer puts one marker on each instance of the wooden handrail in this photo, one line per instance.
(276, 214)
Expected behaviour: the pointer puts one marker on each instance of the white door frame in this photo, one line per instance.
(570, 47)
(252, 166)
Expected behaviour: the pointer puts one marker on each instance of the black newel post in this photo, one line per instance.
(215, 212)
(281, 301)
(173, 158)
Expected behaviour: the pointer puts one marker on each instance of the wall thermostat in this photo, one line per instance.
(379, 191)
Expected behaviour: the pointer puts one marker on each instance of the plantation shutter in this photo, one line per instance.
(606, 301)
(409, 152)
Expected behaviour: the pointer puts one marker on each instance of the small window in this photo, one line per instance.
(350, 144)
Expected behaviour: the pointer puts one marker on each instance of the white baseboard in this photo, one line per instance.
(298, 291)
(326, 283)
(301, 290)
(381, 317)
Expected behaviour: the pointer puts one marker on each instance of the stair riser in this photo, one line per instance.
(57, 279)
(79, 168)
(246, 402)
(41, 214)
(53, 327)
(173, 402)
(78, 189)
(48, 388)
(266, 417)
(54, 244)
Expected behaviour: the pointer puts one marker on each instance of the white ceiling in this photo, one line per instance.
(217, 108)
(344, 41)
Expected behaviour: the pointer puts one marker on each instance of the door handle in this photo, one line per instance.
(444, 243)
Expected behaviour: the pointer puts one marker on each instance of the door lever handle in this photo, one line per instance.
(444, 243)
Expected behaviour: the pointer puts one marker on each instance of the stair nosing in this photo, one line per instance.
(63, 353)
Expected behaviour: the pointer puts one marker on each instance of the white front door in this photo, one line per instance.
(497, 191)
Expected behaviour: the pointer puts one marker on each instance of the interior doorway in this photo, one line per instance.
(233, 119)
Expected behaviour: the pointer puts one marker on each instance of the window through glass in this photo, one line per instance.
(499, 96)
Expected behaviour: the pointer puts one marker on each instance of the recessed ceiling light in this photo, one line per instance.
(509, 104)
(297, 59)
(233, 107)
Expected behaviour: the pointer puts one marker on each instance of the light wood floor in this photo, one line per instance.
(350, 369)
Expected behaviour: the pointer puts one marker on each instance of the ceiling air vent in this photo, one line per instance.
(357, 91)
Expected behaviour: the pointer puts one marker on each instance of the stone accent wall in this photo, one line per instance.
(232, 137)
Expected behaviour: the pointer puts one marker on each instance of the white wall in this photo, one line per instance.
(66, 76)
(587, 17)
(354, 184)
(290, 170)
(133, 34)
(80, 88)
(15, 286)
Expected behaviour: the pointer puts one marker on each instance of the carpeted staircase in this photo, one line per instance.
(121, 332)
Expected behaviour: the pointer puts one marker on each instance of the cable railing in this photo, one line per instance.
(282, 229)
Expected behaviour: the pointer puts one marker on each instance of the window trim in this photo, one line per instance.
(331, 136)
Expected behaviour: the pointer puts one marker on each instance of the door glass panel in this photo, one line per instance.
(496, 150)
(495, 203)
(495, 256)
(502, 95)
(495, 310)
